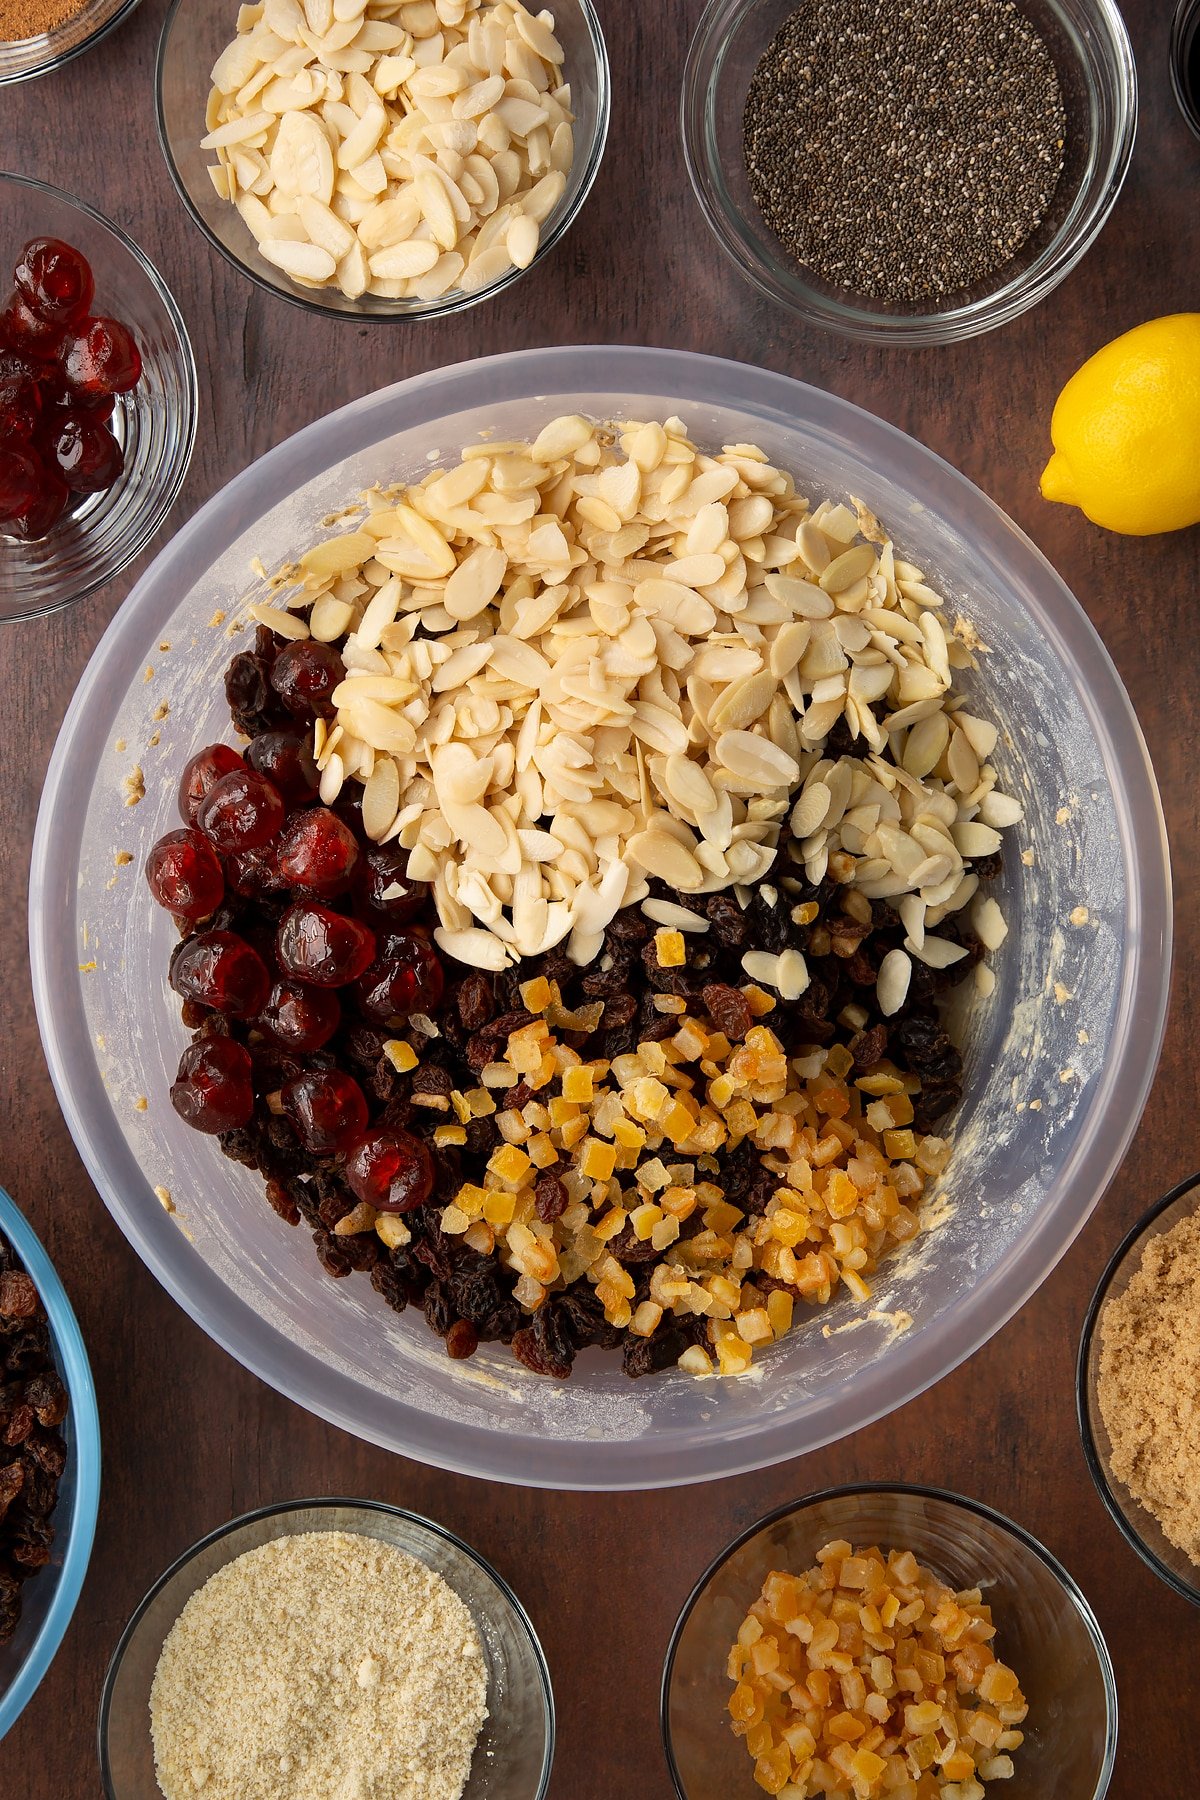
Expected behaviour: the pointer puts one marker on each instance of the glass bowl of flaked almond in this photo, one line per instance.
(645, 888)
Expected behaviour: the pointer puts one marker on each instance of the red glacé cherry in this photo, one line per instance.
(100, 357)
(304, 676)
(48, 508)
(240, 811)
(382, 883)
(85, 452)
(300, 1018)
(221, 970)
(200, 773)
(213, 1091)
(328, 1110)
(391, 1170)
(185, 876)
(20, 379)
(320, 946)
(21, 479)
(253, 873)
(54, 280)
(317, 852)
(406, 978)
(20, 325)
(286, 759)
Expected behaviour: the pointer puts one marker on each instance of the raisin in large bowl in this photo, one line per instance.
(1089, 911)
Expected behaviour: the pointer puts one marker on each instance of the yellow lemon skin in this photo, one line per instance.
(1126, 431)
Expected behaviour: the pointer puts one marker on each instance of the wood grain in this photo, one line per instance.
(190, 1438)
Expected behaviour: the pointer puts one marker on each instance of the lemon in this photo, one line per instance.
(1126, 431)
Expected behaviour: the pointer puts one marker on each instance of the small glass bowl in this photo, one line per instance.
(516, 1746)
(1045, 1629)
(156, 423)
(1185, 61)
(193, 35)
(1092, 53)
(22, 59)
(1139, 1527)
(48, 1598)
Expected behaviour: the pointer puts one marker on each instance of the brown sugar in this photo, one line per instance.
(22, 19)
(1149, 1383)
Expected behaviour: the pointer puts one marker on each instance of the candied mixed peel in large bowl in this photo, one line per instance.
(594, 845)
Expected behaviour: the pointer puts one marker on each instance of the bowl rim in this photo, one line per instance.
(1141, 1230)
(81, 1390)
(57, 59)
(954, 324)
(190, 382)
(549, 1461)
(320, 1503)
(920, 1491)
(453, 302)
(1185, 37)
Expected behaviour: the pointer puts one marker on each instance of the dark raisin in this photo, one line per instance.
(628, 1248)
(387, 1280)
(629, 928)
(729, 922)
(18, 1296)
(584, 1314)
(646, 1356)
(462, 1340)
(281, 1202)
(47, 1396)
(49, 1451)
(619, 1010)
(431, 1083)
(729, 1010)
(475, 1002)
(550, 1197)
(868, 1048)
(600, 984)
(332, 1254)
(20, 1423)
(546, 1353)
(439, 1314)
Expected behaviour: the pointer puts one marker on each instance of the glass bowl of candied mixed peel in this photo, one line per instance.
(621, 918)
(873, 1641)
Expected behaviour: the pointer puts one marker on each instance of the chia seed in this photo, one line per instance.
(904, 151)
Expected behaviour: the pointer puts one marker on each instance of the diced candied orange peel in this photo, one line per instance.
(831, 1700)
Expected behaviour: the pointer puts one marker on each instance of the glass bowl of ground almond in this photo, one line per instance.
(1138, 1378)
(328, 1647)
(908, 178)
(601, 1029)
(871, 1641)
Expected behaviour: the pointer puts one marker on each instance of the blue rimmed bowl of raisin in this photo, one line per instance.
(98, 399)
(49, 1462)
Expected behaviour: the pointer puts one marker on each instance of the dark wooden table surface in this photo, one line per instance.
(190, 1438)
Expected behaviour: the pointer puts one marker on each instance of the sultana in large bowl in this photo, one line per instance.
(1055, 1084)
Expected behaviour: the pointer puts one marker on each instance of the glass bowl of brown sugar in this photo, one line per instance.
(39, 35)
(1138, 1382)
(915, 178)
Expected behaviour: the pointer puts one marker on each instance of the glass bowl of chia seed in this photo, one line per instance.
(863, 210)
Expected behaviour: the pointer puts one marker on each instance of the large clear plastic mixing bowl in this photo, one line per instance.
(1059, 1061)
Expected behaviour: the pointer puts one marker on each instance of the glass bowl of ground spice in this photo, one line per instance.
(1139, 1388)
(328, 1647)
(39, 35)
(875, 1640)
(913, 174)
